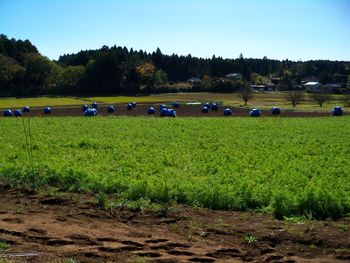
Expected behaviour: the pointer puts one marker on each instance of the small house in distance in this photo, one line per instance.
(333, 88)
(313, 86)
(234, 76)
(270, 87)
(276, 81)
(194, 80)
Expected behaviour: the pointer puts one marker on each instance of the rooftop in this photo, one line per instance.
(312, 83)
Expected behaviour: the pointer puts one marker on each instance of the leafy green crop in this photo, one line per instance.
(289, 166)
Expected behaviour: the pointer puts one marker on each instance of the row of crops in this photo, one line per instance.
(164, 110)
(284, 166)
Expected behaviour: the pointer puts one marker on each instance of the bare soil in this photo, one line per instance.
(183, 111)
(67, 227)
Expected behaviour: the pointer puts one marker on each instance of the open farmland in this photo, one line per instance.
(284, 166)
(260, 100)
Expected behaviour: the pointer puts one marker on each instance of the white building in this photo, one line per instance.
(313, 86)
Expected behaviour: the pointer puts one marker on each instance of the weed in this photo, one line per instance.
(308, 218)
(344, 227)
(294, 219)
(140, 205)
(250, 240)
(119, 204)
(137, 259)
(243, 217)
(192, 227)
(102, 200)
(3, 246)
(165, 209)
(342, 250)
(221, 223)
(20, 209)
(314, 246)
(28, 140)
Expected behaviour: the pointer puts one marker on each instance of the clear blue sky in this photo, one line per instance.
(293, 29)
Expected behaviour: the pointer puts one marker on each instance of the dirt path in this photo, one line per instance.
(61, 227)
(183, 111)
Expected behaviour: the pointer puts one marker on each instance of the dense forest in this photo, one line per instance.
(119, 70)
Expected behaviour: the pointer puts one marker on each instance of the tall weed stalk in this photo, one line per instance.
(29, 144)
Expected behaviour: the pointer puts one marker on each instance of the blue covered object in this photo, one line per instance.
(26, 109)
(214, 106)
(47, 110)
(337, 111)
(164, 112)
(167, 112)
(227, 112)
(275, 110)
(94, 105)
(110, 109)
(133, 104)
(129, 106)
(18, 113)
(90, 112)
(84, 107)
(205, 110)
(255, 113)
(171, 113)
(176, 105)
(206, 105)
(151, 110)
(162, 107)
(8, 113)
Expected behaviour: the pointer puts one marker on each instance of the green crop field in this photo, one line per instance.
(287, 166)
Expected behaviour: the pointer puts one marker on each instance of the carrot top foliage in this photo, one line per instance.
(289, 166)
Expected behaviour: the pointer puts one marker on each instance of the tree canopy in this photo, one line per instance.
(119, 70)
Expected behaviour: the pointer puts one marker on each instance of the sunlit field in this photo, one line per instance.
(283, 166)
(19, 103)
(260, 100)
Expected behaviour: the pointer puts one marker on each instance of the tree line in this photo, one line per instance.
(119, 70)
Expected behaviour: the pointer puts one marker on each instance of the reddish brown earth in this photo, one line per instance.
(66, 227)
(183, 111)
